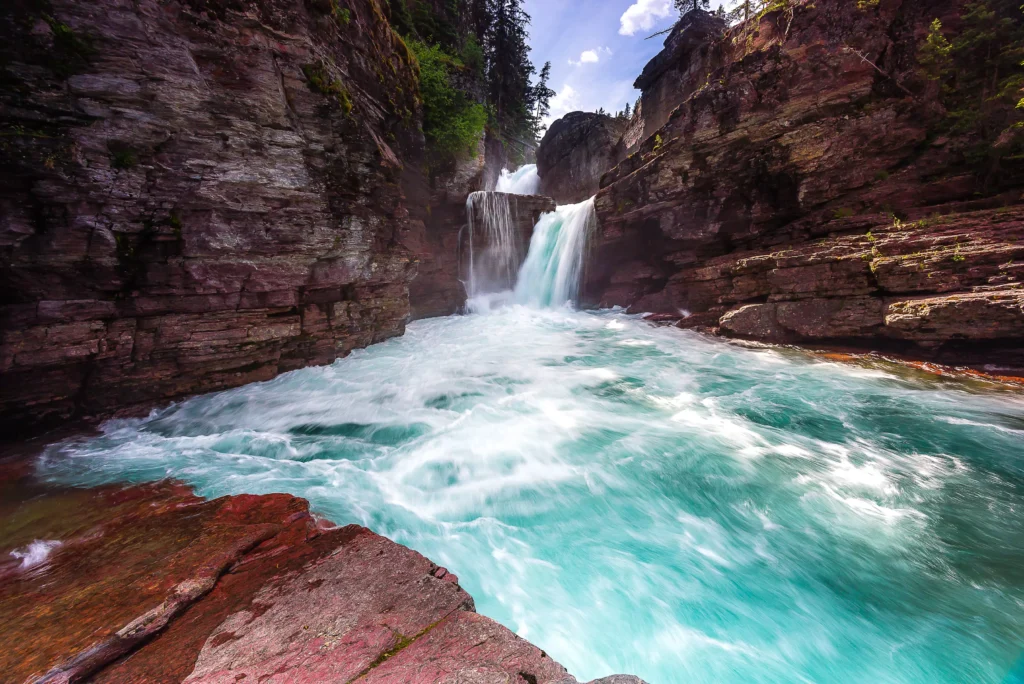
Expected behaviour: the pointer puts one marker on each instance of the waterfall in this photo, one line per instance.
(493, 244)
(522, 181)
(551, 274)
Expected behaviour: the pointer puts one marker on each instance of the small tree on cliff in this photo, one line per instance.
(685, 6)
(541, 96)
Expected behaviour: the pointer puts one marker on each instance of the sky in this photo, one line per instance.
(597, 48)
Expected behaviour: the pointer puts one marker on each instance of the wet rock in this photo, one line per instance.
(575, 152)
(150, 583)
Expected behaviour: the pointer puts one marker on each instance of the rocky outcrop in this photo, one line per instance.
(692, 47)
(196, 195)
(246, 588)
(799, 192)
(442, 250)
(575, 152)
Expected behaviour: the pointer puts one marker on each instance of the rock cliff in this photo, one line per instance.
(246, 588)
(805, 190)
(196, 195)
(575, 152)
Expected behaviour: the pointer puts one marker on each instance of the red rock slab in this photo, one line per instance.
(468, 648)
(129, 561)
(153, 584)
(336, 619)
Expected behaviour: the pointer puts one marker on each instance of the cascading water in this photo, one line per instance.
(522, 181)
(551, 274)
(640, 499)
(492, 250)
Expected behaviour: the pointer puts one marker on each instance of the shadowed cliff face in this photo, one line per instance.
(196, 195)
(575, 152)
(804, 190)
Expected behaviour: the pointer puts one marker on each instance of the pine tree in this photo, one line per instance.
(509, 71)
(542, 95)
(685, 6)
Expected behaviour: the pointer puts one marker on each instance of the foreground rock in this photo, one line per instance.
(802, 190)
(575, 152)
(195, 195)
(150, 583)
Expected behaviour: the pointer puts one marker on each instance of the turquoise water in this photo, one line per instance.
(641, 499)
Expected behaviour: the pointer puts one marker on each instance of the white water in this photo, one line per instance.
(554, 265)
(641, 499)
(493, 250)
(522, 181)
(36, 553)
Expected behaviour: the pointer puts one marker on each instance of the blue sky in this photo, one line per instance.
(596, 48)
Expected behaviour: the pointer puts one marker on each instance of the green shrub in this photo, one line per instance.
(452, 122)
(473, 57)
(321, 81)
(123, 159)
(342, 15)
(980, 72)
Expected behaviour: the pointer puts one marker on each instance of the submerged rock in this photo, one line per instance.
(151, 583)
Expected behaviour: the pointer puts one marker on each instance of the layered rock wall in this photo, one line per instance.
(801, 191)
(195, 195)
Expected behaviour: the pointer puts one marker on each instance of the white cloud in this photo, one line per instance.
(565, 100)
(642, 15)
(590, 56)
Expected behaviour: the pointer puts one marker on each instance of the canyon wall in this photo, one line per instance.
(195, 195)
(808, 188)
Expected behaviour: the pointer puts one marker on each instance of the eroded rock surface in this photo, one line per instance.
(150, 583)
(799, 192)
(195, 195)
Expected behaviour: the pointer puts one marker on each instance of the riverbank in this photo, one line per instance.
(152, 583)
(640, 499)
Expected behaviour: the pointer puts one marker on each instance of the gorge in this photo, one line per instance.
(274, 317)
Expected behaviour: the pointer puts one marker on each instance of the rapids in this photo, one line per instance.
(640, 499)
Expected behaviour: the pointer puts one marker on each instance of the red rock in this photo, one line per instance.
(150, 583)
(763, 203)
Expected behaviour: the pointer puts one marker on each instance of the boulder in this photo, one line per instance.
(575, 152)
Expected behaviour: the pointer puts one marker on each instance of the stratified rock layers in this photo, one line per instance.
(800, 193)
(196, 195)
(150, 583)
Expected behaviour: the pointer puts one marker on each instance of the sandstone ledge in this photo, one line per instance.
(151, 583)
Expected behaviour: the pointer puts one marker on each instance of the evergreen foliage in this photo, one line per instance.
(685, 6)
(452, 122)
(481, 41)
(981, 72)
